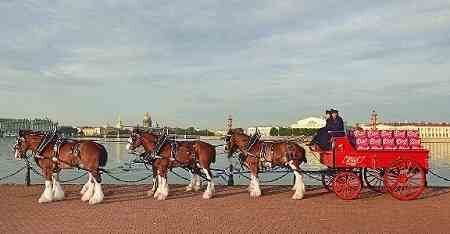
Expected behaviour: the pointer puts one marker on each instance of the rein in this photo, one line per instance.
(44, 142)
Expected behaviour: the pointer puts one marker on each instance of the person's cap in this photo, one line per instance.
(334, 111)
(327, 112)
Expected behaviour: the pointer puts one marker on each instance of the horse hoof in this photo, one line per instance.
(161, 197)
(44, 200)
(85, 197)
(94, 201)
(255, 193)
(59, 198)
(297, 196)
(189, 188)
(207, 196)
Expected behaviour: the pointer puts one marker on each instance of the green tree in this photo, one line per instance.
(274, 131)
(284, 131)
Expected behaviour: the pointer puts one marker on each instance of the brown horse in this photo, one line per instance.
(195, 155)
(53, 154)
(257, 153)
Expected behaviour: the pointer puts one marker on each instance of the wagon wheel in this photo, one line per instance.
(327, 180)
(347, 185)
(374, 179)
(405, 179)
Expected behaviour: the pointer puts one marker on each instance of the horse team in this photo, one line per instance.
(53, 154)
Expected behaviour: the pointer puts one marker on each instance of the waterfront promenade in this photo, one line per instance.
(127, 209)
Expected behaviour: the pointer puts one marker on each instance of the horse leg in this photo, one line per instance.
(97, 195)
(47, 195)
(195, 181)
(86, 186)
(155, 182)
(58, 193)
(163, 188)
(88, 189)
(255, 190)
(298, 185)
(209, 192)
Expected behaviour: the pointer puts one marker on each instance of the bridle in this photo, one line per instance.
(137, 140)
(43, 142)
(17, 145)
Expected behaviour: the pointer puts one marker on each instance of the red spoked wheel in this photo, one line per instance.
(347, 185)
(374, 178)
(405, 179)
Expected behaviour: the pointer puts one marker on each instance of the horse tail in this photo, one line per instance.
(103, 155)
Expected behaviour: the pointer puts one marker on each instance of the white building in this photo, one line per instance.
(90, 131)
(311, 122)
(263, 130)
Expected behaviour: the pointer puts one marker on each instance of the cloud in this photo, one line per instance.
(196, 62)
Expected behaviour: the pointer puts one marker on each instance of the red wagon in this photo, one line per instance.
(398, 169)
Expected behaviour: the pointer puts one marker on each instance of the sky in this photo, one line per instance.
(192, 63)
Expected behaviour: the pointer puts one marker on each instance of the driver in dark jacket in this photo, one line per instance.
(336, 127)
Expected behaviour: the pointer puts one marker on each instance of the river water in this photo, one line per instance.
(120, 164)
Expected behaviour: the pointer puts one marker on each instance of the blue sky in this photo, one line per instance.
(194, 62)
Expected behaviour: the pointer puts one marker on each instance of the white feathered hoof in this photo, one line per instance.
(47, 195)
(189, 188)
(88, 193)
(297, 196)
(45, 198)
(98, 195)
(58, 193)
(255, 193)
(161, 197)
(85, 188)
(207, 195)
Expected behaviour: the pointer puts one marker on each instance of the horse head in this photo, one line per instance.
(234, 139)
(141, 138)
(27, 140)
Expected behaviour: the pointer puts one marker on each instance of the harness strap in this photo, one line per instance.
(56, 149)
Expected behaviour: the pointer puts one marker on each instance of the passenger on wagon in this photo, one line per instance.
(336, 127)
(321, 138)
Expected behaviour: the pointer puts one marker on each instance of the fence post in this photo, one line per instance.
(230, 175)
(27, 174)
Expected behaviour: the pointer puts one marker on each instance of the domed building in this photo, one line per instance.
(147, 121)
(311, 122)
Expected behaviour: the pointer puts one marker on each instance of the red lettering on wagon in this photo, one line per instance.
(353, 160)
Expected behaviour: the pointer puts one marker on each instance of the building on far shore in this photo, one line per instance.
(311, 122)
(263, 130)
(147, 121)
(91, 131)
(11, 127)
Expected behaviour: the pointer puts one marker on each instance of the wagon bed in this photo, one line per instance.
(401, 172)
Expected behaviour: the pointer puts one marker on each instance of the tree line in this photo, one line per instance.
(282, 131)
